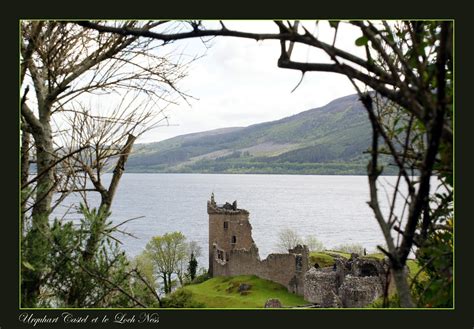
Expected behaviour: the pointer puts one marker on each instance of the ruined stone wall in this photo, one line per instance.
(360, 291)
(320, 286)
(282, 268)
(349, 283)
(286, 269)
(241, 262)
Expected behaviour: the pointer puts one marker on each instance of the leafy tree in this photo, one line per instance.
(166, 253)
(313, 243)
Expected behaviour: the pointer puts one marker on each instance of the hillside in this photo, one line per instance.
(326, 140)
(223, 292)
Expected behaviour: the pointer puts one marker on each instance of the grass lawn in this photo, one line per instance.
(223, 292)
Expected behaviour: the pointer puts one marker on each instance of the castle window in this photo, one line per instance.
(298, 263)
(234, 239)
(226, 225)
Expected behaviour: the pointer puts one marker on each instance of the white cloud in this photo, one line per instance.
(238, 82)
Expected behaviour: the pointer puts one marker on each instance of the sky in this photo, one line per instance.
(237, 82)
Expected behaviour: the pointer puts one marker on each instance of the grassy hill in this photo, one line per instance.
(326, 140)
(223, 292)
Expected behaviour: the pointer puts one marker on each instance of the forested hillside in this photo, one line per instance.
(326, 140)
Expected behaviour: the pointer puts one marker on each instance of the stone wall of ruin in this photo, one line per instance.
(286, 269)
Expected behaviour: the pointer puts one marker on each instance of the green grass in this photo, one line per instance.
(222, 292)
(321, 258)
(338, 253)
(379, 256)
(413, 269)
(326, 258)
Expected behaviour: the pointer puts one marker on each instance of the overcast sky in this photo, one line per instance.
(237, 81)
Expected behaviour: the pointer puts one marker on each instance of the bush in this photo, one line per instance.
(181, 298)
(393, 302)
(351, 248)
(313, 243)
(201, 278)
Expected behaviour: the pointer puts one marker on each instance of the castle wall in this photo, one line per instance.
(228, 230)
(280, 268)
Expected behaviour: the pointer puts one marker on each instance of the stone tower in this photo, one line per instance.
(229, 229)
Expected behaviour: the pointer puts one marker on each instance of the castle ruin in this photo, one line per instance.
(232, 250)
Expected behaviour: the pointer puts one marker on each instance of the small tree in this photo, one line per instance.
(192, 267)
(313, 243)
(288, 239)
(356, 248)
(166, 253)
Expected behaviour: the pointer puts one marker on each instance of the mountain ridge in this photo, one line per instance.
(330, 139)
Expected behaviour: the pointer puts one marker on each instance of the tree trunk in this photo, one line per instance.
(45, 182)
(25, 168)
(169, 282)
(37, 241)
(165, 282)
(108, 197)
(403, 288)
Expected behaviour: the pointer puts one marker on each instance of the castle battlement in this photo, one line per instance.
(226, 208)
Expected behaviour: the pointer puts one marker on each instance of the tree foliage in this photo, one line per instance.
(167, 254)
(84, 265)
(72, 140)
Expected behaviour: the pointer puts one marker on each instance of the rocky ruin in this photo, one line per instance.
(351, 283)
(232, 251)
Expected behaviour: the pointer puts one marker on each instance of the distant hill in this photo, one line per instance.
(326, 140)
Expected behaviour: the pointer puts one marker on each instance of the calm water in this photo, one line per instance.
(331, 208)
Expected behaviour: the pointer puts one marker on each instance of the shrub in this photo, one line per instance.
(313, 243)
(393, 302)
(201, 278)
(351, 248)
(181, 298)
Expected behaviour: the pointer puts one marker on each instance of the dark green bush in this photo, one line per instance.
(181, 298)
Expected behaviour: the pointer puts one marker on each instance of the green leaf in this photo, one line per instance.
(362, 41)
(28, 266)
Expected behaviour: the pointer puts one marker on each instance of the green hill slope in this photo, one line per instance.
(223, 292)
(326, 140)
